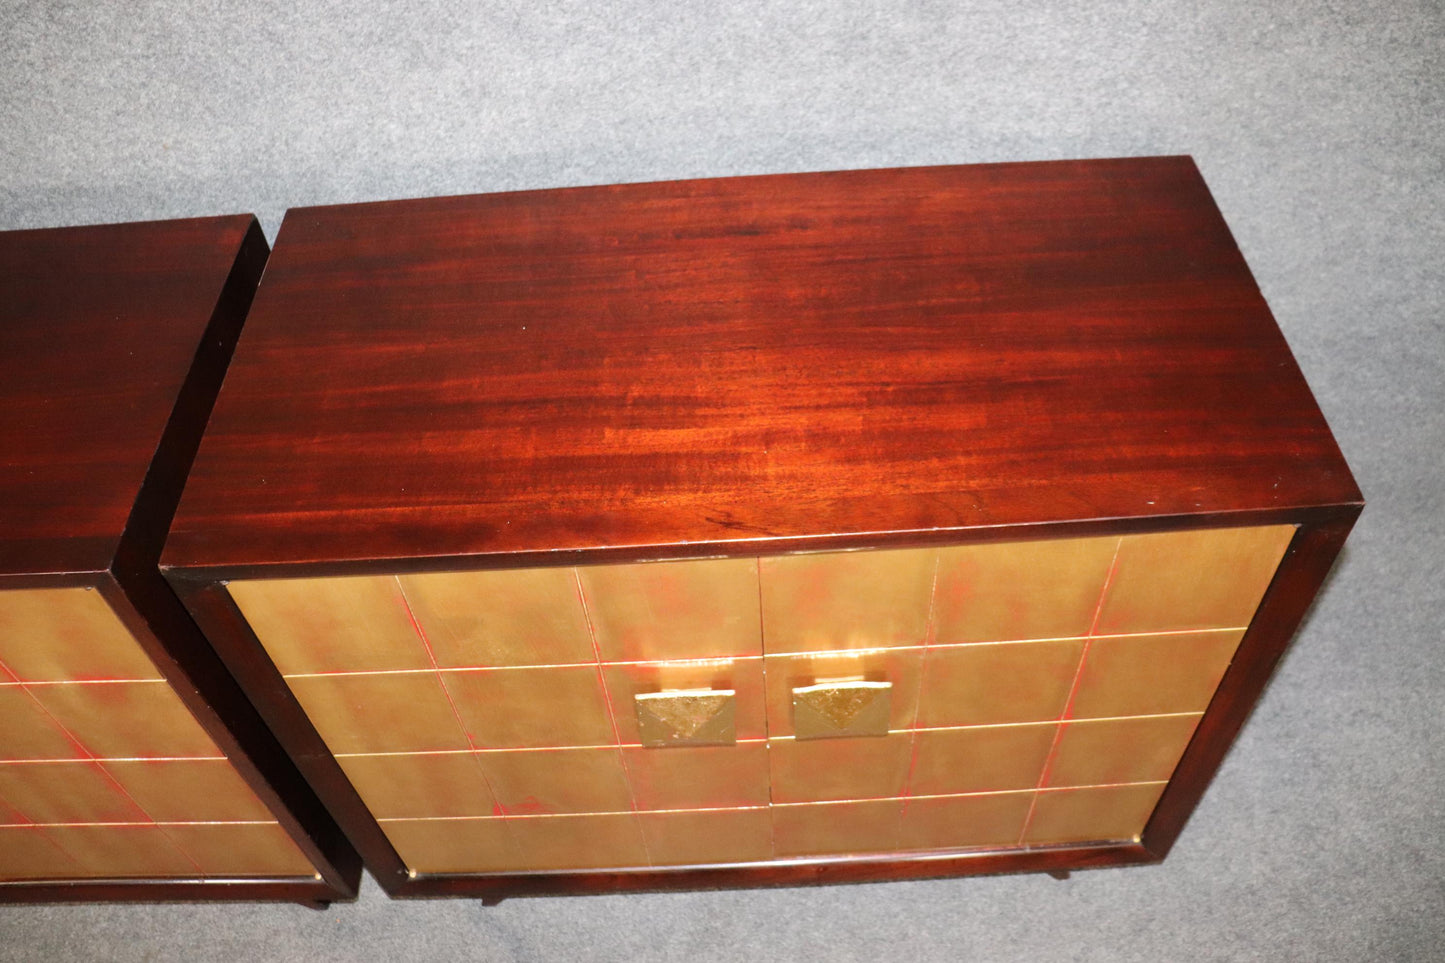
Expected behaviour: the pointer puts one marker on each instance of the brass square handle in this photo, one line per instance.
(687, 717)
(830, 710)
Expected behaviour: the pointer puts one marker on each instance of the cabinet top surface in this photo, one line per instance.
(752, 359)
(98, 329)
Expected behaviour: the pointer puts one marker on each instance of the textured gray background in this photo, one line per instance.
(1319, 126)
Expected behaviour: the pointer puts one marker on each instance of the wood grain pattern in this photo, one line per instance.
(98, 329)
(866, 354)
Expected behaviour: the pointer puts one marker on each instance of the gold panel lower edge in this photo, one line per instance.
(865, 859)
(768, 835)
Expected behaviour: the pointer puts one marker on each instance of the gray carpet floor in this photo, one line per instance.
(1320, 126)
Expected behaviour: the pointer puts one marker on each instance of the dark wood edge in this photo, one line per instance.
(245, 658)
(782, 873)
(1301, 573)
(44, 560)
(144, 601)
(150, 610)
(44, 580)
(689, 181)
(748, 547)
(304, 891)
(160, 492)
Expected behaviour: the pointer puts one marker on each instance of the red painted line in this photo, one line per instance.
(75, 742)
(92, 759)
(1068, 712)
(929, 637)
(767, 722)
(611, 711)
(436, 669)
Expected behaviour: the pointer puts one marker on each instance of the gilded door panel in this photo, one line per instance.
(400, 785)
(852, 768)
(1102, 752)
(105, 766)
(685, 777)
(985, 759)
(1039, 692)
(29, 731)
(124, 851)
(66, 792)
(579, 842)
(553, 706)
(10, 816)
(1021, 590)
(1136, 675)
(126, 719)
(964, 822)
(971, 685)
(660, 611)
(188, 790)
(1206, 579)
(1082, 815)
(846, 600)
(252, 849)
(530, 782)
(342, 624)
(381, 712)
(837, 829)
(521, 617)
(28, 852)
(700, 838)
(67, 634)
(455, 845)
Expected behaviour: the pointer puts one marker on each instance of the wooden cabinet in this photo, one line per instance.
(131, 766)
(781, 529)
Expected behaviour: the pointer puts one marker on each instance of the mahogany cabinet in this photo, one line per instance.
(779, 529)
(131, 765)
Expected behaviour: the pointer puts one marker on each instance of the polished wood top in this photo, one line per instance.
(98, 329)
(755, 361)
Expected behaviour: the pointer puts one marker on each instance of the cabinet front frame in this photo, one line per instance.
(1320, 533)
